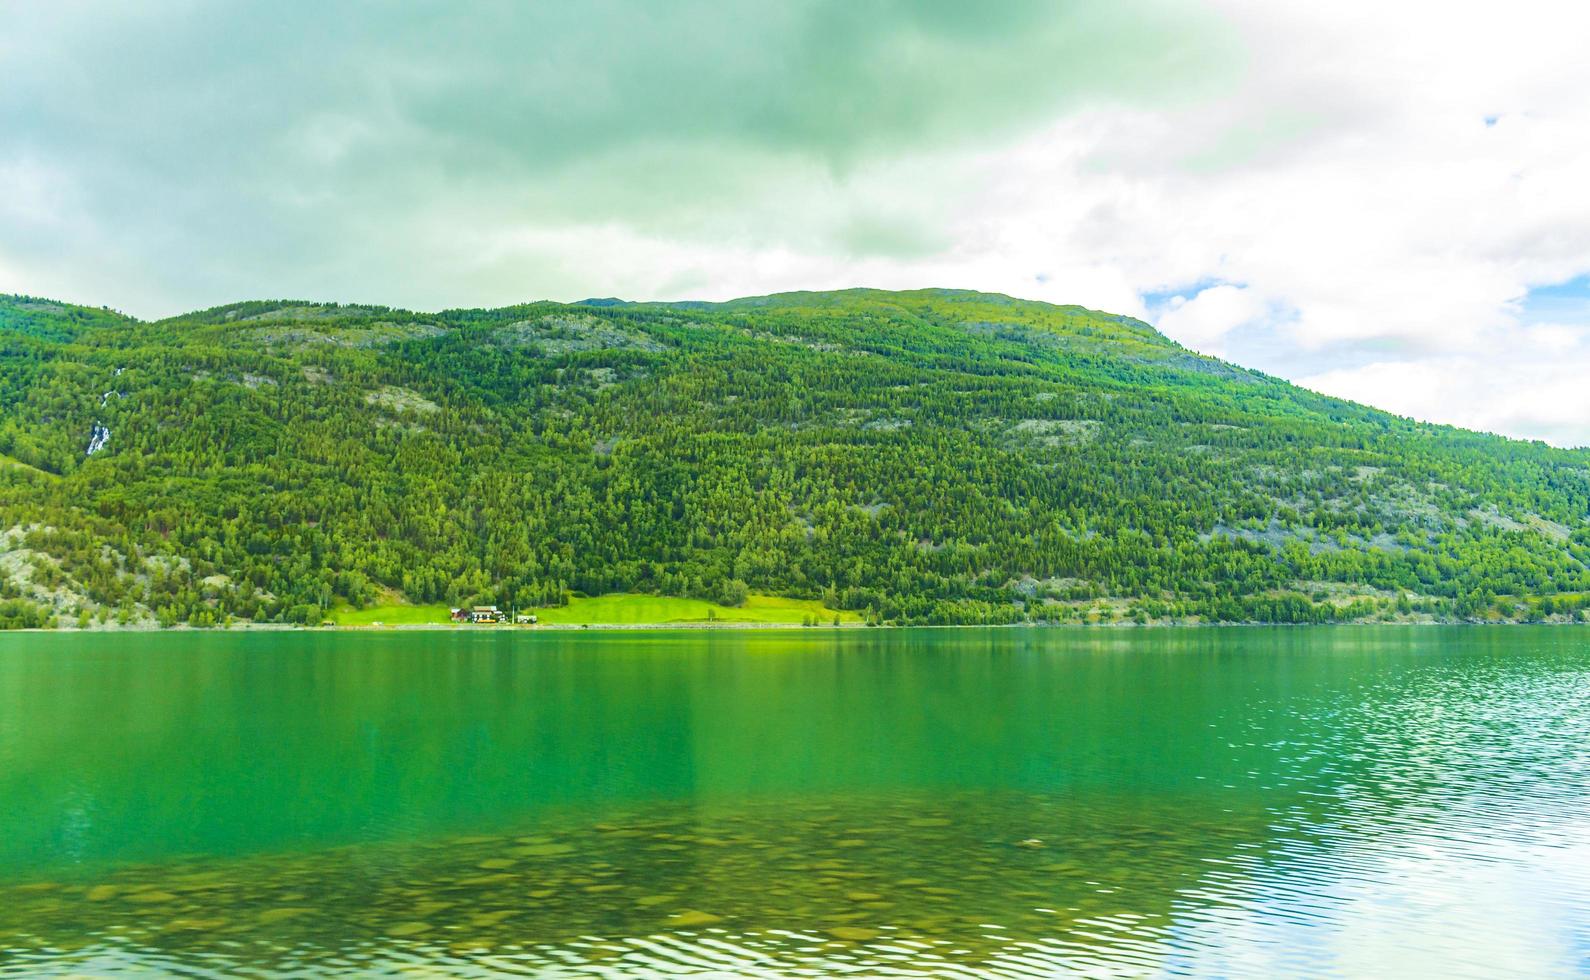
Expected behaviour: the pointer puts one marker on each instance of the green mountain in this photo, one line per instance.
(920, 457)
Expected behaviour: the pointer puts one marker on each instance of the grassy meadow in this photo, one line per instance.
(397, 614)
(631, 609)
(625, 609)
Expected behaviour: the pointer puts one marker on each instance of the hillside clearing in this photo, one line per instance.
(629, 609)
(625, 609)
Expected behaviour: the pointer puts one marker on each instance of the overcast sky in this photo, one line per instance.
(1385, 201)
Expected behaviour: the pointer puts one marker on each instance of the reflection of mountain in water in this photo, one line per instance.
(1215, 801)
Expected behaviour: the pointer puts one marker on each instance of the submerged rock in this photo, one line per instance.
(692, 917)
(544, 850)
(651, 900)
(180, 925)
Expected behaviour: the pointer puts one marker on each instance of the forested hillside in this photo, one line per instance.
(924, 457)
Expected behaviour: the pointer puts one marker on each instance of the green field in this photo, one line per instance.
(627, 609)
(618, 610)
(390, 615)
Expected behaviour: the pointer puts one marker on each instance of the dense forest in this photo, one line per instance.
(935, 456)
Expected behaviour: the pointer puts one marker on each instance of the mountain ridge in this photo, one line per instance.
(919, 456)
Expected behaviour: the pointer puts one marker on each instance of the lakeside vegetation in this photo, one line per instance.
(390, 614)
(660, 610)
(926, 457)
(620, 610)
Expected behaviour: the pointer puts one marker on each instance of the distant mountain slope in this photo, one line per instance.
(926, 456)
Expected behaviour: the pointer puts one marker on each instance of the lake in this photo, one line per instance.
(953, 803)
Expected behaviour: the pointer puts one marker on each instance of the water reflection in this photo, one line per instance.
(945, 803)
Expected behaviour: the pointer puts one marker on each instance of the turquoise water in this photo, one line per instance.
(1306, 801)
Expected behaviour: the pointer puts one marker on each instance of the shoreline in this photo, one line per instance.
(742, 626)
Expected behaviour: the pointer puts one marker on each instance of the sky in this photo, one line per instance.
(1382, 201)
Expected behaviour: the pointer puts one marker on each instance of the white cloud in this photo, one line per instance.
(1204, 320)
(1395, 177)
(1554, 338)
(1529, 393)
